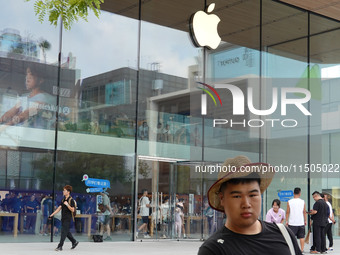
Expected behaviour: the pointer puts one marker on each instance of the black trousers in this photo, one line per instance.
(319, 238)
(329, 234)
(65, 232)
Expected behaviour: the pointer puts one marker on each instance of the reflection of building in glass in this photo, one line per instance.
(109, 97)
(99, 102)
(12, 43)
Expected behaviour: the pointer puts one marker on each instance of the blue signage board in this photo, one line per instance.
(285, 195)
(94, 190)
(96, 183)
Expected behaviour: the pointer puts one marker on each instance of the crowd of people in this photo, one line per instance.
(37, 208)
(169, 134)
(164, 132)
(160, 217)
(34, 210)
(239, 195)
(322, 219)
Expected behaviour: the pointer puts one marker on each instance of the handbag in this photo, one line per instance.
(97, 238)
(102, 208)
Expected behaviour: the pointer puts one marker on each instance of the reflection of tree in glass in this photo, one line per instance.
(71, 167)
(18, 49)
(144, 169)
(44, 46)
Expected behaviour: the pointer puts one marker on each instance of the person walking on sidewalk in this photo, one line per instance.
(144, 205)
(67, 207)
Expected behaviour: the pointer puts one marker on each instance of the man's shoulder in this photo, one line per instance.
(296, 200)
(225, 239)
(219, 237)
(270, 227)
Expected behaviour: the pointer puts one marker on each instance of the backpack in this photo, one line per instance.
(75, 209)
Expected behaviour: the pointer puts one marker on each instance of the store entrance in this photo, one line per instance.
(154, 176)
(178, 205)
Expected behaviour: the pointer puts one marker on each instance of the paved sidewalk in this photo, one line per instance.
(166, 247)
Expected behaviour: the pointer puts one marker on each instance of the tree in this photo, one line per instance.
(69, 10)
(44, 46)
(144, 169)
(71, 166)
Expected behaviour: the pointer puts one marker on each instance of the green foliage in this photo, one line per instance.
(69, 10)
(144, 169)
(71, 167)
(71, 126)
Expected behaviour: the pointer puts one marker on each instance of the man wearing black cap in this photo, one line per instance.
(237, 192)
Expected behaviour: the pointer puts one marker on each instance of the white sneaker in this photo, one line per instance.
(147, 236)
(330, 248)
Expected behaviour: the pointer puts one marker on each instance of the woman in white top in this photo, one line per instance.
(276, 214)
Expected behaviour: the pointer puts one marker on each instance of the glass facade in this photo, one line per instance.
(121, 111)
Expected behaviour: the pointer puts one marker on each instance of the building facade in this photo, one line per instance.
(129, 114)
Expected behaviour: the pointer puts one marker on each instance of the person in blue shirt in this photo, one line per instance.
(46, 210)
(31, 207)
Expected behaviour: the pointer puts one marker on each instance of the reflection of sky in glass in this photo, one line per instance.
(19, 15)
(105, 44)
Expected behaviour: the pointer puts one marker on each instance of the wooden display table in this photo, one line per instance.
(16, 217)
(88, 217)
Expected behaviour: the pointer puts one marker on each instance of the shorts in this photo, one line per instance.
(57, 223)
(298, 231)
(145, 219)
(106, 219)
(46, 220)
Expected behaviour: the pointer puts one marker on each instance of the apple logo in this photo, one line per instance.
(203, 28)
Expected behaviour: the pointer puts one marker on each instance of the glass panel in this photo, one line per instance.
(168, 64)
(324, 83)
(28, 73)
(285, 65)
(236, 62)
(97, 122)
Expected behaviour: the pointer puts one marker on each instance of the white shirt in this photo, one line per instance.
(330, 211)
(144, 211)
(165, 210)
(296, 206)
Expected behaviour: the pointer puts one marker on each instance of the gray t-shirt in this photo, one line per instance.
(106, 201)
